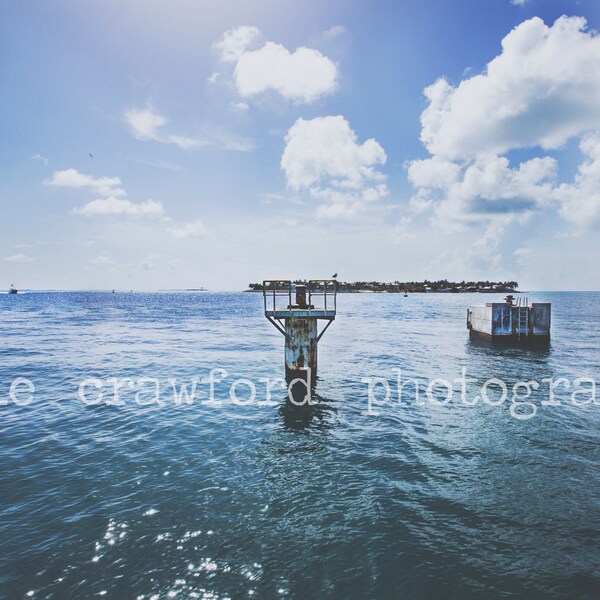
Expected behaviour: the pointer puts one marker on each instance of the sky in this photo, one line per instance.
(152, 145)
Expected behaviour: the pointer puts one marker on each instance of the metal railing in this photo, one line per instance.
(277, 288)
(322, 294)
(325, 288)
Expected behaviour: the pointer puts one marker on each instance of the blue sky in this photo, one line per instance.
(236, 141)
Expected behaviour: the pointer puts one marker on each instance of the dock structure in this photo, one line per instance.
(511, 321)
(295, 310)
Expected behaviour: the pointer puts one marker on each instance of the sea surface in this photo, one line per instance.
(153, 497)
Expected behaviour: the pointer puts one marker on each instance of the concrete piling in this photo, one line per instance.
(511, 321)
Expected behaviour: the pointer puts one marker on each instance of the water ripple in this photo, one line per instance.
(191, 501)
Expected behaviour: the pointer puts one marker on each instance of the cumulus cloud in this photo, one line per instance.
(103, 186)
(541, 91)
(487, 187)
(148, 125)
(112, 201)
(302, 76)
(580, 201)
(237, 41)
(486, 248)
(323, 156)
(121, 206)
(193, 229)
(18, 258)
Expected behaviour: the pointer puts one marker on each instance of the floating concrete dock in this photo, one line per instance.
(511, 321)
(295, 310)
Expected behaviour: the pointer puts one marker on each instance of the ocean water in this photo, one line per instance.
(154, 498)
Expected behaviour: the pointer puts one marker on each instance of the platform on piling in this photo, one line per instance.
(294, 310)
(316, 299)
(298, 313)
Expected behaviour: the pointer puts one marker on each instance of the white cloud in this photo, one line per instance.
(580, 201)
(231, 141)
(334, 32)
(518, 2)
(402, 231)
(121, 206)
(239, 106)
(144, 123)
(483, 189)
(486, 249)
(103, 186)
(148, 125)
(433, 172)
(540, 91)
(302, 76)
(522, 255)
(237, 41)
(193, 229)
(112, 202)
(324, 157)
(18, 258)
(476, 256)
(40, 158)
(327, 148)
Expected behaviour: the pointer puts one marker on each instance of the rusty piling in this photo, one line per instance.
(295, 310)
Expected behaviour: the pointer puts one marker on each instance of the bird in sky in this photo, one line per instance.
(334, 276)
(90, 155)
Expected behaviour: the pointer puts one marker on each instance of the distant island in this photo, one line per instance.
(398, 287)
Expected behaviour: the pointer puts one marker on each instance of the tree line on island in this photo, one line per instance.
(439, 286)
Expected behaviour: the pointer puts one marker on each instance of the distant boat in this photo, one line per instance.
(12, 289)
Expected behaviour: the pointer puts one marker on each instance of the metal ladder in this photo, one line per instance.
(523, 321)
